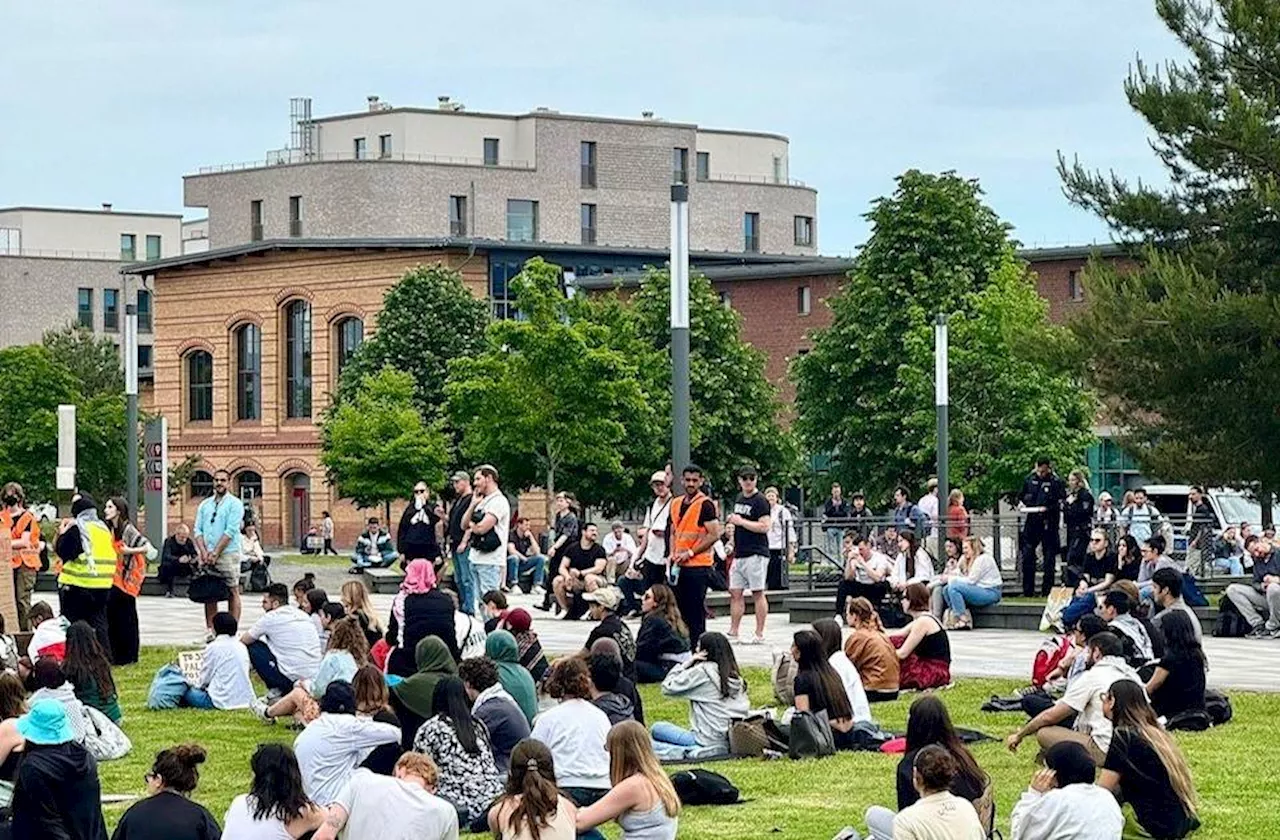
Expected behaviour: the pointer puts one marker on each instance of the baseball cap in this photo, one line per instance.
(460, 475)
(660, 475)
(518, 620)
(608, 597)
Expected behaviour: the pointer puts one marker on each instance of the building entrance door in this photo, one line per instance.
(299, 507)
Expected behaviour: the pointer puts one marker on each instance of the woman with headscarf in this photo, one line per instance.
(519, 623)
(502, 648)
(420, 610)
(412, 698)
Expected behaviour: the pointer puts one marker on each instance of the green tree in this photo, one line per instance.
(1184, 345)
(428, 318)
(376, 443)
(93, 359)
(545, 397)
(864, 393)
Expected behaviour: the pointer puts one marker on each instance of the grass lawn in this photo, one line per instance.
(808, 800)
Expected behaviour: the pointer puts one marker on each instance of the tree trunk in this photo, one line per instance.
(386, 508)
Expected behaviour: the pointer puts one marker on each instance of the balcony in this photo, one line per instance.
(295, 227)
(255, 233)
(588, 236)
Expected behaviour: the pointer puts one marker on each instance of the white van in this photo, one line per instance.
(1230, 507)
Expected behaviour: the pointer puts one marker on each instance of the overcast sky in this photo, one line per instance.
(116, 101)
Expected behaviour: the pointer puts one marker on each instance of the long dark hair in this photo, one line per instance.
(1180, 638)
(532, 778)
(86, 662)
(276, 791)
(1131, 713)
(13, 696)
(450, 702)
(928, 722)
(913, 550)
(718, 650)
(122, 516)
(1132, 554)
(813, 660)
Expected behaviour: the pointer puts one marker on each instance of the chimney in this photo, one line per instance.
(373, 103)
(646, 115)
(442, 102)
(106, 207)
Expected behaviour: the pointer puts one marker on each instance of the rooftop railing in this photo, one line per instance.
(290, 157)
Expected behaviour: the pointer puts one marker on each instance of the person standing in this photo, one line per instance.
(692, 529)
(132, 550)
(457, 530)
(928, 504)
(835, 510)
(176, 556)
(88, 556)
(1078, 517)
(416, 536)
(564, 533)
(1041, 497)
(1201, 524)
(652, 548)
(24, 535)
(487, 533)
(219, 520)
(782, 540)
(751, 519)
(326, 533)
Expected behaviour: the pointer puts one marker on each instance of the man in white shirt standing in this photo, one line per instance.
(1063, 803)
(782, 540)
(283, 645)
(651, 552)
(402, 806)
(224, 670)
(929, 504)
(489, 527)
(620, 547)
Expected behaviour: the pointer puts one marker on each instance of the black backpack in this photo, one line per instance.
(702, 787)
(1218, 705)
(1230, 623)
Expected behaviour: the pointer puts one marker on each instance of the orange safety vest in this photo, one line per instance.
(686, 532)
(26, 524)
(131, 571)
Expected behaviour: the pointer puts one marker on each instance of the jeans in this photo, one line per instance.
(485, 578)
(632, 590)
(584, 797)
(1230, 565)
(879, 821)
(463, 582)
(961, 593)
(672, 742)
(197, 698)
(369, 561)
(835, 536)
(1080, 606)
(1257, 607)
(265, 666)
(517, 566)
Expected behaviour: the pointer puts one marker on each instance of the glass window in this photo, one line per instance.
(249, 486)
(777, 170)
(491, 151)
(297, 318)
(679, 165)
(804, 230)
(144, 310)
(295, 215)
(361, 149)
(726, 299)
(500, 276)
(803, 300)
(350, 337)
(128, 247)
(248, 373)
(457, 215)
(522, 220)
(144, 357)
(199, 386)
(201, 484)
(588, 224)
(1075, 290)
(10, 241)
(84, 308)
(751, 232)
(153, 246)
(255, 220)
(384, 145)
(111, 309)
(588, 164)
(704, 166)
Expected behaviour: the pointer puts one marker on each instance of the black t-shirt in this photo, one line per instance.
(582, 558)
(1096, 569)
(1145, 785)
(167, 816)
(747, 543)
(456, 525)
(524, 543)
(1182, 689)
(1129, 571)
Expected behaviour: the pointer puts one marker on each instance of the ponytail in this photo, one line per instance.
(532, 778)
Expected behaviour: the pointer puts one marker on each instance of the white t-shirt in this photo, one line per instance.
(782, 529)
(224, 673)
(625, 542)
(498, 505)
(470, 633)
(240, 824)
(386, 808)
(878, 562)
(331, 748)
(575, 732)
(291, 636)
(655, 524)
(1084, 695)
(852, 686)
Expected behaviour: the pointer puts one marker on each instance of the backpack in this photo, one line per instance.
(1191, 591)
(1051, 652)
(1230, 623)
(702, 787)
(1218, 705)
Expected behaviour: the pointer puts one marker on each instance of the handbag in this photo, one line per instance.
(208, 588)
(811, 735)
(1059, 598)
(750, 737)
(485, 543)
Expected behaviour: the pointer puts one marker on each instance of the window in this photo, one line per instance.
(295, 215)
(384, 145)
(704, 166)
(248, 486)
(297, 342)
(588, 165)
(588, 214)
(777, 170)
(1075, 289)
(128, 247)
(84, 309)
(350, 337)
(255, 220)
(804, 230)
(491, 151)
(249, 373)
(10, 241)
(457, 215)
(199, 386)
(501, 297)
(361, 150)
(201, 484)
(803, 300)
(153, 246)
(679, 165)
(726, 299)
(522, 220)
(144, 311)
(144, 357)
(111, 310)
(751, 232)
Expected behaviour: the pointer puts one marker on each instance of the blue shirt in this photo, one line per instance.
(215, 519)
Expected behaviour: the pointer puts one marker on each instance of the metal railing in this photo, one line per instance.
(63, 253)
(753, 179)
(292, 157)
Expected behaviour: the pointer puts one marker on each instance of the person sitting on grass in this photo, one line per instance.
(283, 645)
(461, 748)
(224, 670)
(89, 671)
(1145, 768)
(924, 650)
(663, 640)
(605, 671)
(48, 638)
(313, 605)
(413, 699)
(624, 686)
(348, 650)
(468, 630)
(56, 792)
(501, 649)
(938, 812)
(976, 582)
(358, 605)
(575, 732)
(1074, 663)
(167, 812)
(494, 603)
(532, 805)
(420, 609)
(373, 703)
(335, 743)
(1117, 609)
(493, 707)
(49, 682)
(373, 548)
(871, 652)
(13, 705)
(604, 609)
(1176, 686)
(642, 799)
(301, 587)
(277, 805)
(400, 806)
(1166, 591)
(832, 639)
(717, 693)
(1063, 803)
(817, 686)
(520, 625)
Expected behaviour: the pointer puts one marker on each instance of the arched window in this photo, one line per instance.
(297, 358)
(199, 386)
(249, 373)
(201, 484)
(350, 336)
(249, 485)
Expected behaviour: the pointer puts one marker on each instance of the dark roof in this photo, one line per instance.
(1071, 252)
(660, 255)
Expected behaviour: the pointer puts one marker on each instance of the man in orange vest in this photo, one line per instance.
(24, 532)
(692, 529)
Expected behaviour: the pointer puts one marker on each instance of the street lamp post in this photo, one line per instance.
(679, 327)
(942, 397)
(130, 352)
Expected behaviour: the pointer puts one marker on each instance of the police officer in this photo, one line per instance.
(1043, 492)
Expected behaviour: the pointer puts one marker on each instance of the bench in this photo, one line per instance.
(382, 581)
(48, 583)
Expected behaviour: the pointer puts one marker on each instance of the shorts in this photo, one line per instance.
(749, 572)
(228, 568)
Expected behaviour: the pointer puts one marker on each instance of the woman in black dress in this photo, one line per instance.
(416, 537)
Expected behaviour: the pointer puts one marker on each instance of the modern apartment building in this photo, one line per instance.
(61, 266)
(538, 177)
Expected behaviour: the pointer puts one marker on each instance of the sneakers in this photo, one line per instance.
(1261, 632)
(537, 590)
(754, 640)
(259, 708)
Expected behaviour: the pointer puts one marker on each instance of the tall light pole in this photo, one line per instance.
(942, 388)
(130, 352)
(679, 327)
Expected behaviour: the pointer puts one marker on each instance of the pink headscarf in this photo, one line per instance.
(419, 577)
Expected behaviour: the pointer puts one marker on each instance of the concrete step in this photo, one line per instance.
(151, 585)
(382, 581)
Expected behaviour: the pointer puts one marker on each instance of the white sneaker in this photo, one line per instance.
(259, 708)
(537, 590)
(754, 640)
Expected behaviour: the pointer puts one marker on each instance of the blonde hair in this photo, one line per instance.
(1079, 475)
(631, 754)
(977, 545)
(861, 609)
(355, 597)
(956, 496)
